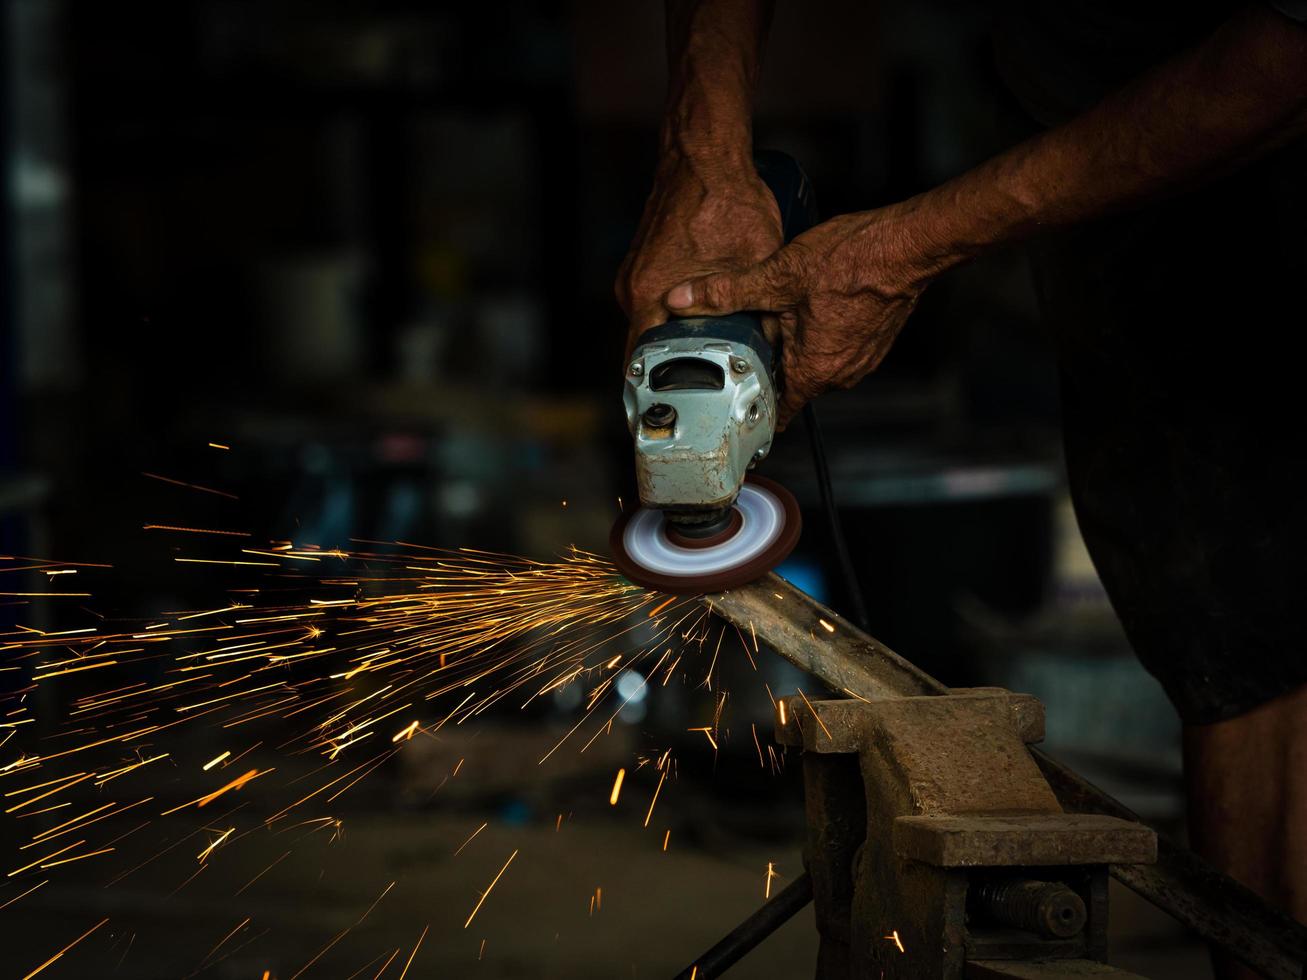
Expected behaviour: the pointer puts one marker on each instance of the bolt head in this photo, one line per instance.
(636, 369)
(739, 365)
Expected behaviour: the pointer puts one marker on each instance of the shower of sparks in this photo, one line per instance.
(360, 651)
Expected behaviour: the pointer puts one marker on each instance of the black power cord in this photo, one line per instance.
(833, 526)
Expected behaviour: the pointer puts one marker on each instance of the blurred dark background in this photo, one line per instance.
(370, 248)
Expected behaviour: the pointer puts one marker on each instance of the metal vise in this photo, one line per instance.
(937, 849)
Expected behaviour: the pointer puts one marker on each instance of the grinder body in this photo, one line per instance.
(700, 402)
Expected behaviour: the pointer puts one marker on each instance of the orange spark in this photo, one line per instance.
(771, 873)
(192, 486)
(657, 609)
(617, 787)
(655, 797)
(194, 530)
(415, 951)
(815, 715)
(485, 894)
(469, 840)
(404, 734)
(210, 849)
(57, 956)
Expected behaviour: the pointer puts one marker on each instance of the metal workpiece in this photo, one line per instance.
(910, 804)
(820, 642)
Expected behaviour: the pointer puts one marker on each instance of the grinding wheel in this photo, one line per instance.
(763, 530)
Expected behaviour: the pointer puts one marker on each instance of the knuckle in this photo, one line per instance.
(786, 273)
(716, 291)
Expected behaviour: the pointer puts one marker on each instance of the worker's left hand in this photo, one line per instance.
(842, 290)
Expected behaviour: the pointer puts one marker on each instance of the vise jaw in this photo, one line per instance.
(937, 849)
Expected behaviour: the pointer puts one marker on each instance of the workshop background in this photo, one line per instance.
(371, 249)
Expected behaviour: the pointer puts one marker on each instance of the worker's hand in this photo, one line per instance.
(703, 216)
(842, 290)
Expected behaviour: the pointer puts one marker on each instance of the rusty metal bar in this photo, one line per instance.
(848, 661)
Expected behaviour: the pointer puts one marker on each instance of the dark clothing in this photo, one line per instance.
(1059, 58)
(1176, 327)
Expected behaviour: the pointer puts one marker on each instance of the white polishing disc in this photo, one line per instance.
(763, 518)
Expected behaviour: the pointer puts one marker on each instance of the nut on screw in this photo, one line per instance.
(659, 416)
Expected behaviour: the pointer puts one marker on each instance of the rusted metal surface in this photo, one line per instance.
(840, 726)
(986, 768)
(1047, 970)
(938, 822)
(1033, 841)
(848, 661)
(836, 811)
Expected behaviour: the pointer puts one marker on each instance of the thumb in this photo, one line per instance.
(760, 287)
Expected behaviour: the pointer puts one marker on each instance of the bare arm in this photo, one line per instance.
(714, 56)
(846, 287)
(1228, 101)
(708, 210)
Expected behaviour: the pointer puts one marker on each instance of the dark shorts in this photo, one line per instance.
(1181, 330)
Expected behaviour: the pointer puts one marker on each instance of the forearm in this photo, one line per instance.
(1236, 96)
(714, 54)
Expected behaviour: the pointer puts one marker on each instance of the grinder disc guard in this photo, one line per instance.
(763, 531)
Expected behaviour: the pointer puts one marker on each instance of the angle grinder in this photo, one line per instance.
(700, 399)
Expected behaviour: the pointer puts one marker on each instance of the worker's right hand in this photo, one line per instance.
(705, 215)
